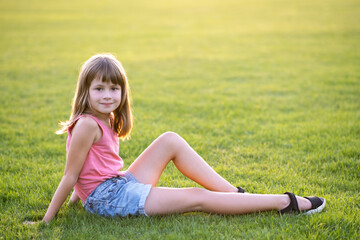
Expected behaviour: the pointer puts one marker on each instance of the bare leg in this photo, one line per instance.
(173, 200)
(148, 167)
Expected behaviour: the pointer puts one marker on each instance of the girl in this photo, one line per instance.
(101, 114)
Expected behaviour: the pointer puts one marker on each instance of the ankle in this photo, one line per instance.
(283, 202)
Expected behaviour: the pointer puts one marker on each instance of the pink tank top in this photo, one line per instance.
(102, 162)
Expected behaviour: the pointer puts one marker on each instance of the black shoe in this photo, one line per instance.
(317, 205)
(240, 190)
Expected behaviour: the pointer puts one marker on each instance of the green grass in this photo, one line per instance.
(268, 92)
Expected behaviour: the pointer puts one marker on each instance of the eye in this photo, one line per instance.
(115, 88)
(98, 89)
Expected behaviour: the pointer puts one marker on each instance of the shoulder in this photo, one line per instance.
(86, 127)
(87, 122)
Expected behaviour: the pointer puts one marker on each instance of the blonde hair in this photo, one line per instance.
(107, 68)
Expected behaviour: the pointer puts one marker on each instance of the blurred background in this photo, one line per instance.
(266, 90)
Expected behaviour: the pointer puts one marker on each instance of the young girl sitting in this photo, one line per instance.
(101, 114)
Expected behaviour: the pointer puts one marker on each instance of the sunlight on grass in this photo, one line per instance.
(266, 91)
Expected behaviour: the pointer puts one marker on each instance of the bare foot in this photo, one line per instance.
(303, 203)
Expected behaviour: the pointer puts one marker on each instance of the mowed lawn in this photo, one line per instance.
(267, 91)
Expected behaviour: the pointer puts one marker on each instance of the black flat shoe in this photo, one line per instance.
(240, 190)
(317, 205)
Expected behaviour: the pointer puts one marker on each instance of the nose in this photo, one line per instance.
(107, 94)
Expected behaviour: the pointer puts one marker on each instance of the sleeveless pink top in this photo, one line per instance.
(102, 162)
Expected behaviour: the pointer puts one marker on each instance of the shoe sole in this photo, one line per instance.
(316, 210)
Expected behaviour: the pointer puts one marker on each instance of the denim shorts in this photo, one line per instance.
(119, 196)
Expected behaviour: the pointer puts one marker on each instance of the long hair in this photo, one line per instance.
(107, 68)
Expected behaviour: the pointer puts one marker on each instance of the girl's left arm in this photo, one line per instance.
(83, 136)
(74, 198)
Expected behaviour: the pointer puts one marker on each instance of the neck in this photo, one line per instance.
(105, 118)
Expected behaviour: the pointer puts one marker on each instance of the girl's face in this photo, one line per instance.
(104, 97)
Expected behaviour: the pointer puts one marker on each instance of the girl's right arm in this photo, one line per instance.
(84, 134)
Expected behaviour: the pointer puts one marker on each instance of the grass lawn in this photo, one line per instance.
(267, 91)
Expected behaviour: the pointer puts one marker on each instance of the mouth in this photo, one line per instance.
(106, 104)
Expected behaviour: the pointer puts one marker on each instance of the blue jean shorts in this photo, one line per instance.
(119, 196)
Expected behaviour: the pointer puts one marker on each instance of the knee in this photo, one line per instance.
(170, 135)
(198, 198)
(171, 140)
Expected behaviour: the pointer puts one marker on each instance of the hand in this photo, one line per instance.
(71, 203)
(34, 222)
